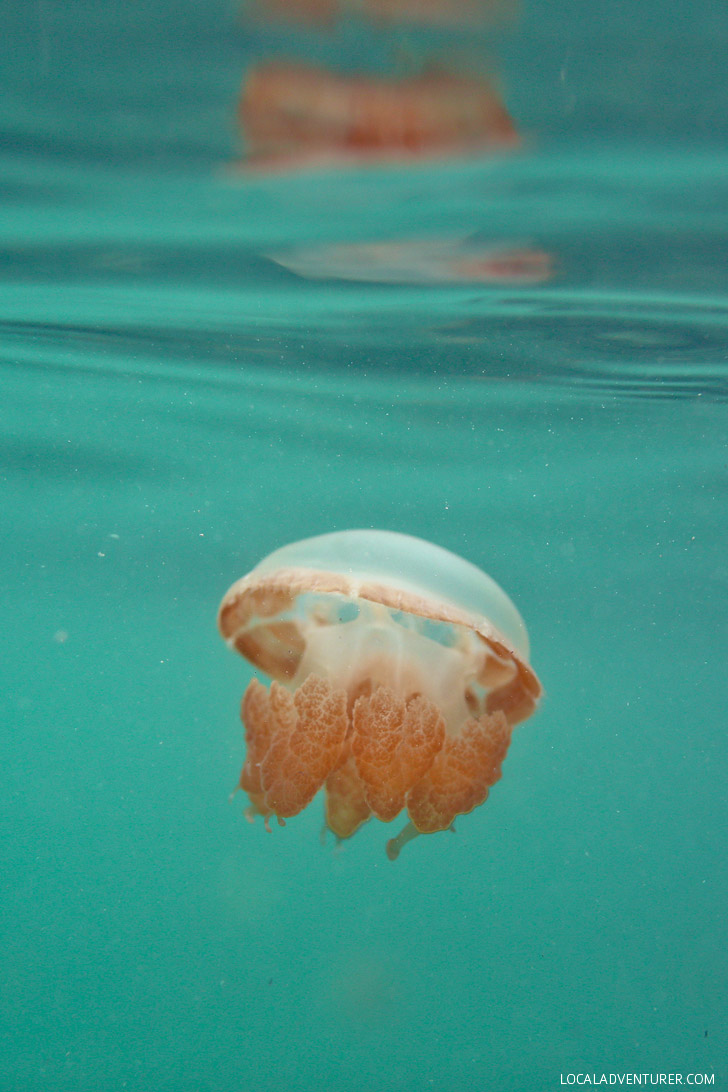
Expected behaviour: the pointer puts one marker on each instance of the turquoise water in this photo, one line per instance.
(175, 405)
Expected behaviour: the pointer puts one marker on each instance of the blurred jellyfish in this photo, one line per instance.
(450, 13)
(419, 261)
(296, 115)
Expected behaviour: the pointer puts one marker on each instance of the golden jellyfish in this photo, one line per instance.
(398, 673)
(448, 13)
(418, 261)
(296, 116)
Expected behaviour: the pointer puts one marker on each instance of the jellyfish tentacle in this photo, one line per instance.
(346, 805)
(394, 743)
(294, 742)
(395, 845)
(256, 716)
(462, 774)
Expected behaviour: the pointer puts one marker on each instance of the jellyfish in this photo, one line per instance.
(448, 13)
(296, 116)
(419, 261)
(398, 673)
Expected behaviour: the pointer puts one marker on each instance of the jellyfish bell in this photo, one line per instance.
(398, 672)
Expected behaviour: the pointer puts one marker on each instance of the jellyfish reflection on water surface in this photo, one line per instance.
(298, 116)
(399, 671)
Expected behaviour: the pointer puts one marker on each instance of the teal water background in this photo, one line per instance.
(175, 405)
